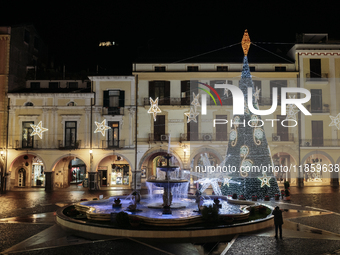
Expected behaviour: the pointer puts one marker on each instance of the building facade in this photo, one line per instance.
(65, 134)
(110, 131)
(4, 73)
(318, 62)
(174, 84)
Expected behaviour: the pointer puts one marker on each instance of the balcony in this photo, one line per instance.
(69, 146)
(319, 142)
(323, 77)
(25, 146)
(113, 111)
(115, 144)
(158, 137)
(207, 137)
(285, 137)
(169, 101)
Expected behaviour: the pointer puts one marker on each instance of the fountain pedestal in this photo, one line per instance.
(167, 183)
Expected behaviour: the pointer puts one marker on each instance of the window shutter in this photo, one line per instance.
(122, 98)
(152, 89)
(167, 89)
(106, 101)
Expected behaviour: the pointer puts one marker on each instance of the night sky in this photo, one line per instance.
(73, 31)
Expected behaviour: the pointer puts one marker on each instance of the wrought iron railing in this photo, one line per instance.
(317, 77)
(193, 136)
(319, 142)
(169, 101)
(154, 137)
(113, 110)
(283, 137)
(69, 145)
(113, 144)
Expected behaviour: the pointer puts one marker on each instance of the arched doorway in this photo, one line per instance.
(21, 177)
(114, 171)
(317, 169)
(38, 174)
(282, 162)
(34, 175)
(69, 170)
(76, 171)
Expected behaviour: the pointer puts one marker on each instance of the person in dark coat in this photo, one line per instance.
(278, 221)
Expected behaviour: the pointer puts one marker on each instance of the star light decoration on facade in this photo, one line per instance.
(101, 127)
(226, 92)
(335, 121)
(38, 129)
(264, 180)
(195, 102)
(291, 110)
(154, 109)
(191, 115)
(257, 95)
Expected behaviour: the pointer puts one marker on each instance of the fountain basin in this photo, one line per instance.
(176, 229)
(100, 210)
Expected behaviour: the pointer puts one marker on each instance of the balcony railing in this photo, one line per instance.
(113, 110)
(158, 137)
(22, 145)
(285, 137)
(114, 144)
(319, 142)
(317, 77)
(169, 101)
(322, 110)
(193, 136)
(69, 146)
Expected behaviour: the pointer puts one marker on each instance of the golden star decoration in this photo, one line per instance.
(38, 129)
(264, 180)
(101, 127)
(335, 121)
(154, 109)
(191, 115)
(195, 102)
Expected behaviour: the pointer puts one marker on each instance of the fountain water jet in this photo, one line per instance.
(173, 188)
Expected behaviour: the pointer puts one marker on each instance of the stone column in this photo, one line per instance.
(300, 182)
(92, 181)
(48, 182)
(136, 177)
(334, 182)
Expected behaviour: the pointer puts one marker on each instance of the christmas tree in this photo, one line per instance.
(248, 150)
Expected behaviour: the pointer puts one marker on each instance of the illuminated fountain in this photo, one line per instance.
(174, 188)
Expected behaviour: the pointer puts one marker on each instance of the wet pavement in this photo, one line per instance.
(312, 226)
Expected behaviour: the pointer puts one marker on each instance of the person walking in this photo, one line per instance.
(278, 221)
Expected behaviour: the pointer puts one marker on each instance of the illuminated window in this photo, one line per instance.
(113, 134)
